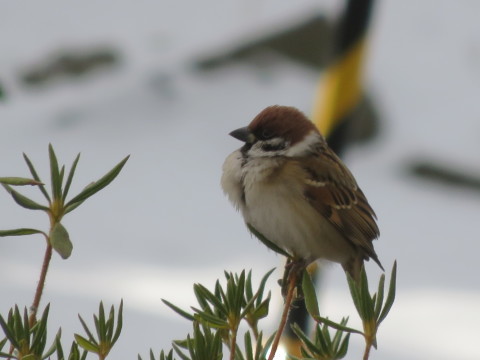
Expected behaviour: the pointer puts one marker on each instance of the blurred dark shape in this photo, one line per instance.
(69, 64)
(361, 126)
(444, 174)
(2, 92)
(304, 42)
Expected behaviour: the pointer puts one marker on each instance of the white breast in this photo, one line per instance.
(275, 206)
(232, 178)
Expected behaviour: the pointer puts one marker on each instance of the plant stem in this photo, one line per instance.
(233, 344)
(368, 346)
(40, 285)
(292, 283)
(255, 332)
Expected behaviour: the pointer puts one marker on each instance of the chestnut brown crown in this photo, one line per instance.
(285, 122)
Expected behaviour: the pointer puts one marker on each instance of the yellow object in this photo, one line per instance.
(341, 89)
(292, 346)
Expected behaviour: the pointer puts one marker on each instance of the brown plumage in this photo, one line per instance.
(296, 193)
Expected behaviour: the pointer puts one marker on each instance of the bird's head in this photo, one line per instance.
(278, 131)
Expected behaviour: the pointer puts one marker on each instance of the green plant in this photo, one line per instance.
(218, 320)
(28, 342)
(218, 316)
(372, 309)
(107, 332)
(27, 335)
(220, 312)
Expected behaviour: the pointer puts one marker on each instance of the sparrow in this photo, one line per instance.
(296, 195)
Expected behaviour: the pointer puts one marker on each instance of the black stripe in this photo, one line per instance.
(352, 26)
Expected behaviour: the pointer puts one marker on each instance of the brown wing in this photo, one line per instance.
(332, 190)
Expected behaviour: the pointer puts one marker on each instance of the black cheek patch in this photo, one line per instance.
(245, 148)
(270, 147)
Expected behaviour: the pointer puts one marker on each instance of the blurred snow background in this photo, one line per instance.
(164, 223)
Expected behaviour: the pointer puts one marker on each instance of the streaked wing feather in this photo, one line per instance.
(334, 193)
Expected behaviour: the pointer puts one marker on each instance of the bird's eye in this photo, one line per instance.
(266, 134)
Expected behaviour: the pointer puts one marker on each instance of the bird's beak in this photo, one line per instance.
(243, 134)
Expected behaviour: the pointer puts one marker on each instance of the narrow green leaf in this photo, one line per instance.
(18, 181)
(169, 355)
(247, 307)
(261, 310)
(192, 345)
(36, 177)
(230, 294)
(322, 343)
(100, 184)
(118, 330)
(339, 334)
(304, 338)
(248, 286)
(100, 323)
(261, 287)
(219, 293)
(216, 348)
(179, 311)
(311, 302)
(59, 348)
(54, 174)
(267, 346)
(70, 177)
(202, 301)
(336, 326)
(110, 324)
(5, 355)
(42, 327)
(342, 351)
(355, 294)
(379, 296)
(206, 294)
(238, 290)
(212, 320)
(239, 353)
(60, 241)
(20, 232)
(72, 207)
(75, 352)
(54, 347)
(85, 344)
(62, 174)
(24, 201)
(248, 346)
(26, 327)
(199, 348)
(326, 337)
(87, 330)
(20, 332)
(179, 352)
(97, 329)
(182, 343)
(365, 298)
(259, 347)
(391, 294)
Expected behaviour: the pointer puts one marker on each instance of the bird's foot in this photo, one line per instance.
(294, 269)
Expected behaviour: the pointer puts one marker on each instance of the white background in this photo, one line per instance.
(164, 223)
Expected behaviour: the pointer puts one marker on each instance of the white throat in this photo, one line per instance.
(306, 145)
